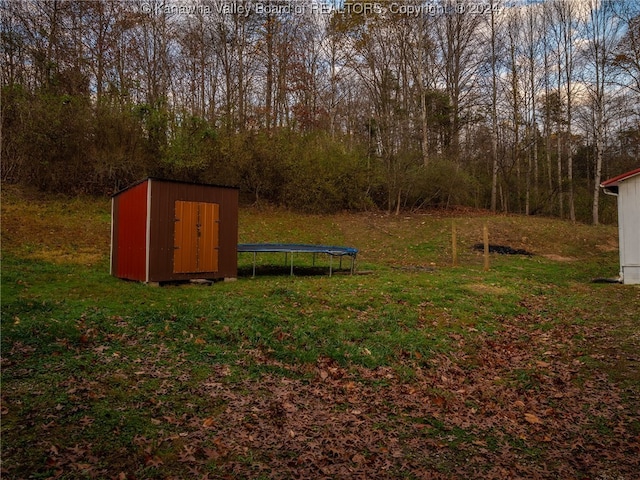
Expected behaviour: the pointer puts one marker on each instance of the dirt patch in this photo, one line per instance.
(559, 258)
(610, 246)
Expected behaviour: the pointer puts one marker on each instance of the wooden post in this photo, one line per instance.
(454, 244)
(485, 235)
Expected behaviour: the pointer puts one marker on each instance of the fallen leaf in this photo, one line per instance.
(289, 407)
(533, 419)
(187, 455)
(154, 461)
(85, 421)
(83, 467)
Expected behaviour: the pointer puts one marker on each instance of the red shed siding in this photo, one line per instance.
(130, 249)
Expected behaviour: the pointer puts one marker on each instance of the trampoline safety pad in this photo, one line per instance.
(291, 248)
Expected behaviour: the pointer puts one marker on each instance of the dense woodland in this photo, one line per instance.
(515, 106)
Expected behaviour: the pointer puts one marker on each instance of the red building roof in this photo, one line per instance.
(613, 182)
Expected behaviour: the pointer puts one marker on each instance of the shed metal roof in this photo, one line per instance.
(613, 182)
(169, 180)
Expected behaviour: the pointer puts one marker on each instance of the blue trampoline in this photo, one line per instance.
(291, 248)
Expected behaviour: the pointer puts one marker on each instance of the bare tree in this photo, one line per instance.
(515, 94)
(547, 94)
(456, 34)
(234, 35)
(602, 35)
(421, 65)
(533, 41)
(494, 107)
(566, 16)
(626, 59)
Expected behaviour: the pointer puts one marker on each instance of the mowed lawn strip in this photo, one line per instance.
(414, 370)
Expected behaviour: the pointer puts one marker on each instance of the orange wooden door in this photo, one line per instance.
(196, 237)
(185, 258)
(208, 236)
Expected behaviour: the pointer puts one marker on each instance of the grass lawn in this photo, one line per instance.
(416, 369)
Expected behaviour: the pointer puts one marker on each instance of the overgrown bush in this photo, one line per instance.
(63, 141)
(323, 176)
(442, 184)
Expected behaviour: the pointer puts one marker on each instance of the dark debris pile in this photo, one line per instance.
(502, 250)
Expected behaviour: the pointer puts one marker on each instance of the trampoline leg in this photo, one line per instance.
(330, 264)
(291, 263)
(254, 265)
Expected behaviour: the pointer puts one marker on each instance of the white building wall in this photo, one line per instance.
(629, 229)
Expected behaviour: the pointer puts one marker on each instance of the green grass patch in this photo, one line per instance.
(412, 367)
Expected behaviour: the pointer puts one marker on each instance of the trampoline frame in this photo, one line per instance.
(291, 248)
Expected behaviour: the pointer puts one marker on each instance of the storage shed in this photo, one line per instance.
(627, 188)
(164, 230)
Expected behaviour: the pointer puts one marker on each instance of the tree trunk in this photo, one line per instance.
(424, 143)
(598, 170)
(494, 115)
(569, 146)
(559, 149)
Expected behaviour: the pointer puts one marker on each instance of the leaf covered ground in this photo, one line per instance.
(416, 370)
